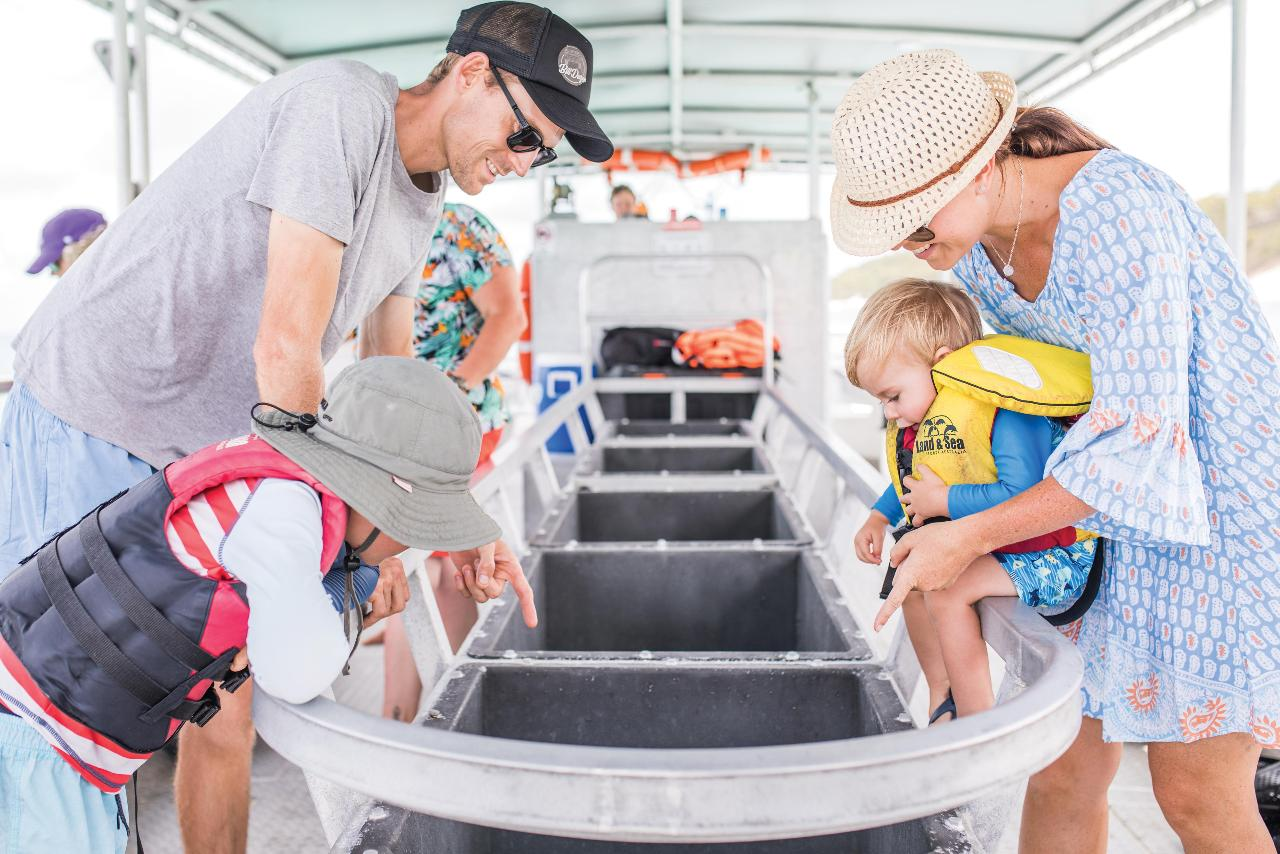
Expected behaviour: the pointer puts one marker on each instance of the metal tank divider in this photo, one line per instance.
(525, 733)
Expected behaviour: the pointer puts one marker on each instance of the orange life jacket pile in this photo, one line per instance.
(739, 346)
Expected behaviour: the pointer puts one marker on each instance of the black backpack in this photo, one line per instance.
(643, 346)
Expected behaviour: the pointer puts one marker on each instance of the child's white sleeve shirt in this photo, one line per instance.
(296, 643)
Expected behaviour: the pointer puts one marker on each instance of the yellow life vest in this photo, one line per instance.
(996, 372)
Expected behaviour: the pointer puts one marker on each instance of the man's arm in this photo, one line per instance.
(388, 330)
(504, 319)
(302, 283)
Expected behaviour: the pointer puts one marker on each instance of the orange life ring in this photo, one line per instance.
(730, 161)
(524, 347)
(627, 159)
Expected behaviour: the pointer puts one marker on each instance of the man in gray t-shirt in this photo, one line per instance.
(152, 341)
(306, 211)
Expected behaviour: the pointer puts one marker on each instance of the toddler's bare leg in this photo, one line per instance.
(955, 619)
(924, 639)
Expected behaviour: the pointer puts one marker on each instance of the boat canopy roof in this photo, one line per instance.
(699, 77)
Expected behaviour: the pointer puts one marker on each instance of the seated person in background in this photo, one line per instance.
(624, 204)
(64, 239)
(215, 563)
(967, 429)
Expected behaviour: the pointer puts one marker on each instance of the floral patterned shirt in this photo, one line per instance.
(464, 254)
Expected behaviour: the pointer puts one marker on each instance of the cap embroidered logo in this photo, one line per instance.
(572, 64)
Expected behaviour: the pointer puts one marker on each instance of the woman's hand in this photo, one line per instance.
(932, 557)
(869, 540)
(928, 558)
(925, 497)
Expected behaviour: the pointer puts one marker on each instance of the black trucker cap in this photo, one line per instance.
(551, 58)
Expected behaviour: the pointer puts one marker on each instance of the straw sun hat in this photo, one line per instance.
(907, 138)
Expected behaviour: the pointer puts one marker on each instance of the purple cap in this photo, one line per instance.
(65, 228)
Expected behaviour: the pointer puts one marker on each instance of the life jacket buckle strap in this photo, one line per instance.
(177, 706)
(235, 678)
(208, 706)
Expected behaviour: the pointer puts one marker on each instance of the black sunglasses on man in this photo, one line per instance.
(526, 138)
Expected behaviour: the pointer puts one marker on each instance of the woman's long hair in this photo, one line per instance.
(1047, 132)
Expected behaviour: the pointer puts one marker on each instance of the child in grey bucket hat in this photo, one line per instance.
(218, 562)
(397, 441)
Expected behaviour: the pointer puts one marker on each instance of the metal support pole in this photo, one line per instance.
(120, 76)
(815, 211)
(675, 69)
(141, 95)
(1237, 199)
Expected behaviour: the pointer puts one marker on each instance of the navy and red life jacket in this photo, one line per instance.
(109, 641)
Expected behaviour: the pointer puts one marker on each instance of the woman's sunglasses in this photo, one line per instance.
(526, 138)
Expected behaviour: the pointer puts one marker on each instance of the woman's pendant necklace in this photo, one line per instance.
(1007, 269)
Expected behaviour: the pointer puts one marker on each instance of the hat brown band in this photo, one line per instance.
(955, 167)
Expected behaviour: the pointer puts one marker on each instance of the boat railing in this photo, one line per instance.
(689, 795)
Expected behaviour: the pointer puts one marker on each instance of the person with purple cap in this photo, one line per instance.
(64, 239)
(306, 211)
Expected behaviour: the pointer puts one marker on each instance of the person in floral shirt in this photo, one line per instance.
(468, 315)
(469, 311)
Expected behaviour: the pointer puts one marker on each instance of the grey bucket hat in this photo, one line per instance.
(397, 440)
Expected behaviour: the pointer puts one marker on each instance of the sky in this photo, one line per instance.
(1169, 106)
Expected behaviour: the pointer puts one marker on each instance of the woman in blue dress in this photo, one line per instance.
(1061, 238)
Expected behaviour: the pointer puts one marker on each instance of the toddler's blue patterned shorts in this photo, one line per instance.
(1053, 578)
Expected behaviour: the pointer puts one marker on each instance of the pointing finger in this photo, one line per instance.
(902, 585)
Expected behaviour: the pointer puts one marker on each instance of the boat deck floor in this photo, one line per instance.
(283, 821)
